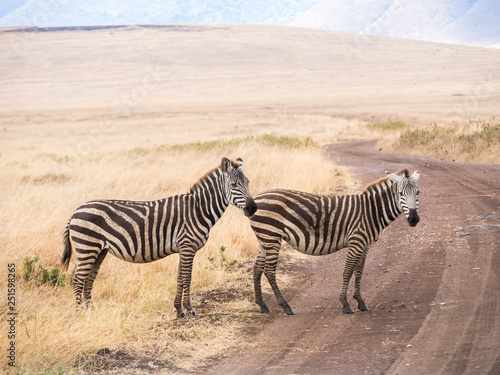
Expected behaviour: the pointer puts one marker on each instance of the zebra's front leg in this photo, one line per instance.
(270, 272)
(178, 294)
(350, 264)
(182, 297)
(357, 282)
(258, 270)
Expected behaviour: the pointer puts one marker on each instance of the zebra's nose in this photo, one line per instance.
(250, 208)
(413, 217)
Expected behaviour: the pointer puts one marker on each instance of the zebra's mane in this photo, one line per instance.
(208, 175)
(403, 173)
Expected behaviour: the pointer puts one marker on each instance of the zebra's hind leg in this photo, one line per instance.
(270, 272)
(86, 260)
(350, 264)
(91, 278)
(182, 297)
(258, 270)
(357, 282)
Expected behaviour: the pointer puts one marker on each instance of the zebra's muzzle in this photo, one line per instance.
(250, 208)
(413, 217)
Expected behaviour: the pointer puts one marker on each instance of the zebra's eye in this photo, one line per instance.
(234, 185)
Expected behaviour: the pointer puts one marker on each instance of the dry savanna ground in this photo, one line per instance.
(141, 113)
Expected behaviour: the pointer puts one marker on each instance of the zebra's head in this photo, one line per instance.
(236, 186)
(407, 191)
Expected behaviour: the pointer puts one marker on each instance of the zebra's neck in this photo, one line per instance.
(382, 202)
(208, 193)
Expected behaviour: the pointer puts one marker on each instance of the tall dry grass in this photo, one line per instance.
(469, 141)
(133, 304)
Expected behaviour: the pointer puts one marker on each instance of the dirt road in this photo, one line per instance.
(433, 291)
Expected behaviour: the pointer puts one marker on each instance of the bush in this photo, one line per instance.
(53, 277)
(474, 141)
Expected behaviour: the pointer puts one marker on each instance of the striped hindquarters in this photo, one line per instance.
(312, 224)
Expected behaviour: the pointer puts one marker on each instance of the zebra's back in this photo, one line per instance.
(313, 224)
(135, 231)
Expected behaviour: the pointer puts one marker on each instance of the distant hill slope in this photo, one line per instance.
(130, 12)
(459, 22)
(473, 22)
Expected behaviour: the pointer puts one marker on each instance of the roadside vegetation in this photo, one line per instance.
(133, 322)
(471, 141)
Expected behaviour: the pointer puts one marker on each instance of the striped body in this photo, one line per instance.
(142, 232)
(320, 225)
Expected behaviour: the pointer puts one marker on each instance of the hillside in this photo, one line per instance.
(135, 70)
(469, 23)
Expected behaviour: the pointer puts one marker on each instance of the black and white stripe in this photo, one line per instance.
(142, 232)
(320, 225)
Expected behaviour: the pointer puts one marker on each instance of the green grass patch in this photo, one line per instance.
(389, 125)
(286, 142)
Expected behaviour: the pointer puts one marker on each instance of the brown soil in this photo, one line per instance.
(432, 290)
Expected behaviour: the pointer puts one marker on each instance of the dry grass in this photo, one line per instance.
(42, 185)
(472, 141)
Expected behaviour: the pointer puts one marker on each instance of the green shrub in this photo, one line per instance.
(42, 276)
(29, 267)
(466, 142)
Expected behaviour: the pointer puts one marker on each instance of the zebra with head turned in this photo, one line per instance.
(320, 225)
(141, 232)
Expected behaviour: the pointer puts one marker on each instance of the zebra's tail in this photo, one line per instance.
(66, 255)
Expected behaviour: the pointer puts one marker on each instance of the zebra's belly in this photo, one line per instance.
(316, 245)
(145, 255)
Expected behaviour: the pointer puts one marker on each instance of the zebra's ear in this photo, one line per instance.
(239, 161)
(415, 176)
(226, 165)
(394, 177)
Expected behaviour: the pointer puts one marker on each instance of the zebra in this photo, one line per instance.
(145, 231)
(319, 225)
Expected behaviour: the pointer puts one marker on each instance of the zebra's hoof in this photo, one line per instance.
(363, 307)
(347, 310)
(288, 311)
(191, 314)
(265, 310)
(181, 315)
